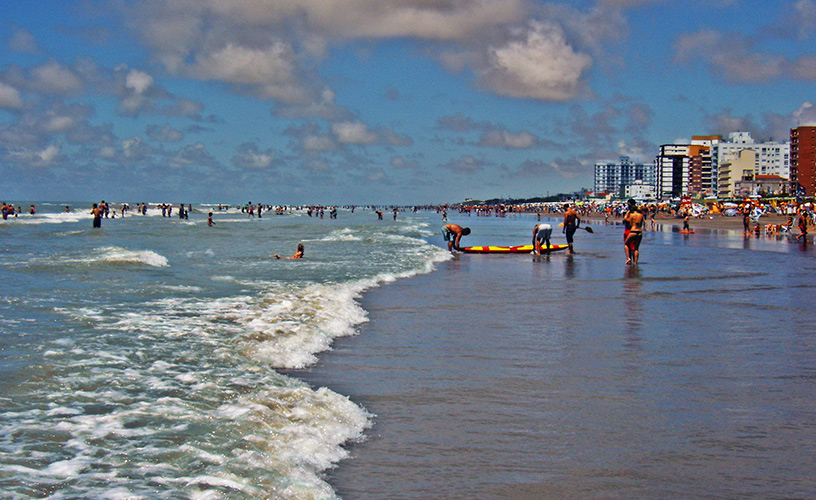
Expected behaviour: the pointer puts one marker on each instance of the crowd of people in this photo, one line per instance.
(633, 216)
(636, 217)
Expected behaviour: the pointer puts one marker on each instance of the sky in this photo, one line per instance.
(380, 101)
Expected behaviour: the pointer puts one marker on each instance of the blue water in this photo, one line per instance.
(161, 358)
(148, 358)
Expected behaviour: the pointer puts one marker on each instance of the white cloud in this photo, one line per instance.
(505, 139)
(804, 19)
(194, 154)
(735, 58)
(539, 64)
(314, 142)
(45, 157)
(435, 19)
(250, 156)
(805, 115)
(58, 124)
(243, 65)
(138, 81)
(394, 139)
(165, 133)
(268, 47)
(10, 97)
(465, 165)
(440, 20)
(133, 149)
(107, 152)
(49, 154)
(55, 78)
(354, 133)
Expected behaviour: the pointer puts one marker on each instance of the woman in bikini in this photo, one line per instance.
(634, 235)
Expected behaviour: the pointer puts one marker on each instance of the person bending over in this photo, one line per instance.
(541, 236)
(452, 233)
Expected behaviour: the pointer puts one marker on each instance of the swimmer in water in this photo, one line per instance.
(297, 255)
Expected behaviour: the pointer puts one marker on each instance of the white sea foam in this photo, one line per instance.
(48, 218)
(345, 234)
(181, 288)
(114, 255)
(223, 278)
(178, 396)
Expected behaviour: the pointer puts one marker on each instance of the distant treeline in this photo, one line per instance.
(522, 201)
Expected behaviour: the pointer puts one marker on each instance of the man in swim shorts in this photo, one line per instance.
(571, 223)
(541, 235)
(452, 233)
(96, 212)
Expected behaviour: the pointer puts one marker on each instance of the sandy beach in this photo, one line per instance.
(710, 222)
(580, 377)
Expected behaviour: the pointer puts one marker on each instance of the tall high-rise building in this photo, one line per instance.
(704, 177)
(687, 169)
(673, 168)
(613, 177)
(803, 160)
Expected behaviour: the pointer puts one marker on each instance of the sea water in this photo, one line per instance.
(152, 358)
(161, 358)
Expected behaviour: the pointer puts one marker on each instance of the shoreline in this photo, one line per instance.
(464, 384)
(709, 223)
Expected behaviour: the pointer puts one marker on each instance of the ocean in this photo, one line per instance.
(162, 358)
(149, 358)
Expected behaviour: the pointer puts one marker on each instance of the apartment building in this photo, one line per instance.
(673, 169)
(611, 177)
(803, 160)
(772, 158)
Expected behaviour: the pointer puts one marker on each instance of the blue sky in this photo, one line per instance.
(374, 101)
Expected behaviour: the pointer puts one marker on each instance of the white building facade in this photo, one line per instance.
(772, 158)
(672, 166)
(611, 177)
(640, 191)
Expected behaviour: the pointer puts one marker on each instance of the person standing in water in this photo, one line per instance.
(632, 238)
(97, 215)
(571, 223)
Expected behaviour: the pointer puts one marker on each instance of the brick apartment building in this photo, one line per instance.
(803, 160)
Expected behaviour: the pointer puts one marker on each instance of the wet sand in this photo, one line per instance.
(712, 222)
(579, 377)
